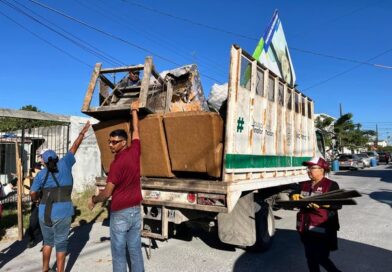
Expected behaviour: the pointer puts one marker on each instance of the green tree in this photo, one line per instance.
(349, 134)
(325, 125)
(342, 128)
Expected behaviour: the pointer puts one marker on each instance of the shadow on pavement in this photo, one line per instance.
(210, 238)
(77, 240)
(383, 197)
(13, 251)
(287, 254)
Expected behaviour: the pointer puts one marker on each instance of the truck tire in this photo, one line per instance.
(265, 228)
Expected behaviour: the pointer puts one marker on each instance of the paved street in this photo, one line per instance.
(365, 240)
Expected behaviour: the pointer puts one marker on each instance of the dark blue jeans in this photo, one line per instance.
(125, 227)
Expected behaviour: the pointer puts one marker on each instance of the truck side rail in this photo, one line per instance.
(269, 124)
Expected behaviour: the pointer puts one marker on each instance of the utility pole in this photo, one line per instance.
(341, 109)
(376, 142)
(339, 136)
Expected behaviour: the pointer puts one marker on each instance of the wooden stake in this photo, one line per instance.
(20, 191)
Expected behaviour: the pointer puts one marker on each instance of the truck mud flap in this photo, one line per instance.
(239, 226)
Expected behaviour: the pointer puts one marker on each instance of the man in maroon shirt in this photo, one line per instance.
(123, 184)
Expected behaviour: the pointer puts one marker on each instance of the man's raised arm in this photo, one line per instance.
(135, 119)
(79, 139)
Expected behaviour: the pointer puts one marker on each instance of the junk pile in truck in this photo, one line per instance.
(221, 166)
(175, 116)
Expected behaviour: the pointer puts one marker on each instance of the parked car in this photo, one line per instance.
(384, 156)
(365, 158)
(350, 161)
(373, 155)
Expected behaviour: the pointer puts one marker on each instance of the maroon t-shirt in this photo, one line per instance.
(124, 173)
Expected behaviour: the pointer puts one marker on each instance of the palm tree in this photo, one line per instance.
(325, 125)
(350, 135)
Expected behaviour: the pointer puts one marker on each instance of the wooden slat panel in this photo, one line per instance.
(20, 192)
(169, 94)
(145, 82)
(91, 86)
(122, 69)
(107, 81)
(157, 76)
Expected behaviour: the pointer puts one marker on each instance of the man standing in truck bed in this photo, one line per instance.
(123, 184)
(131, 80)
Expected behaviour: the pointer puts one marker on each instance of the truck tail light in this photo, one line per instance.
(191, 197)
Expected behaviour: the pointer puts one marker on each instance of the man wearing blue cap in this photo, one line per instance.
(56, 209)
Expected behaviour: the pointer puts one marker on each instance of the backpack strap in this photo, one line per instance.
(55, 179)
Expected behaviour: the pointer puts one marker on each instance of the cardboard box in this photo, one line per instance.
(155, 160)
(195, 141)
(102, 131)
(154, 156)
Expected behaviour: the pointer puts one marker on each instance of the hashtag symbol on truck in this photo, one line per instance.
(240, 124)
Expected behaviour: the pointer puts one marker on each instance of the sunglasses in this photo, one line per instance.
(114, 142)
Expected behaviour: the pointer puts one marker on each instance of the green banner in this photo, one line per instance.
(240, 161)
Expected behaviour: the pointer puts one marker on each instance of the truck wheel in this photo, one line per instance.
(265, 228)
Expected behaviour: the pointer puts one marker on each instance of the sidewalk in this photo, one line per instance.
(89, 250)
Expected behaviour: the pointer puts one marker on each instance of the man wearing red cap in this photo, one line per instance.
(317, 225)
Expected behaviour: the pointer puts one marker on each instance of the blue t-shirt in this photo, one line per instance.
(64, 177)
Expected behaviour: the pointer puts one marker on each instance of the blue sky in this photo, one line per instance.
(55, 80)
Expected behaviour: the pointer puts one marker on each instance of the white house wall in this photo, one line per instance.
(88, 156)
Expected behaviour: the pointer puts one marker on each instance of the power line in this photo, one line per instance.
(346, 71)
(173, 46)
(163, 42)
(191, 21)
(342, 58)
(253, 38)
(46, 41)
(75, 40)
(216, 29)
(113, 36)
(381, 122)
(344, 15)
